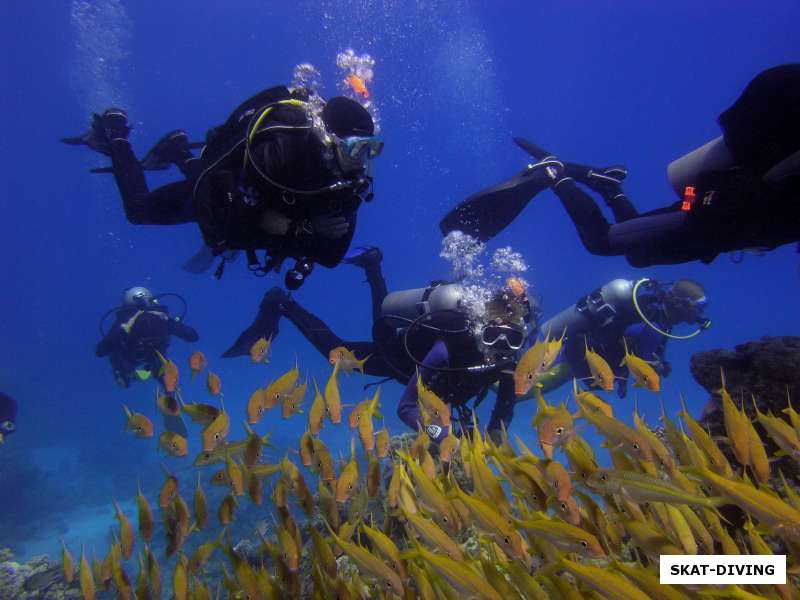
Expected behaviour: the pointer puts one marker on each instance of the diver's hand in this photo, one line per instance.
(330, 226)
(437, 433)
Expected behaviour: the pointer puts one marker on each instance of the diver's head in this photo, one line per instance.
(353, 131)
(503, 331)
(685, 301)
(137, 296)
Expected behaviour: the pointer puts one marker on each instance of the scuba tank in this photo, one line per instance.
(599, 309)
(438, 306)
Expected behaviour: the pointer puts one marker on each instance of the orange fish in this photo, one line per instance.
(125, 533)
(214, 384)
(358, 85)
(173, 443)
(170, 373)
(140, 425)
(197, 363)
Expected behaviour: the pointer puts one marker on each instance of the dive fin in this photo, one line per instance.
(176, 425)
(200, 262)
(486, 213)
(264, 325)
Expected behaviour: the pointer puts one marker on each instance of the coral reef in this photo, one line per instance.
(763, 371)
(37, 578)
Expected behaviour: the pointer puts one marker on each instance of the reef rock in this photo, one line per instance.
(38, 578)
(765, 369)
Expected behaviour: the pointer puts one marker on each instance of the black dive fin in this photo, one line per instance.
(487, 213)
(531, 148)
(265, 325)
(200, 262)
(102, 170)
(175, 425)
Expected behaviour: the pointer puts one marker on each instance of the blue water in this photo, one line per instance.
(624, 82)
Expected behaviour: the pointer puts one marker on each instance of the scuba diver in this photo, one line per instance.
(286, 173)
(429, 330)
(642, 312)
(739, 191)
(8, 416)
(142, 327)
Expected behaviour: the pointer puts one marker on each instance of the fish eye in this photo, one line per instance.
(584, 543)
(506, 540)
(349, 486)
(635, 446)
(563, 506)
(444, 519)
(603, 476)
(530, 376)
(559, 430)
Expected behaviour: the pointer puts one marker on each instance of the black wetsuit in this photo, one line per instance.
(734, 209)
(228, 201)
(149, 331)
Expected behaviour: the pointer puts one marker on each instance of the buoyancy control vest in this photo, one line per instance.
(231, 198)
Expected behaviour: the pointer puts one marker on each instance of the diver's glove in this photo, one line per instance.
(104, 129)
(330, 226)
(437, 433)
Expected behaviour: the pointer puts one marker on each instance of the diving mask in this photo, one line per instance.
(514, 337)
(361, 147)
(354, 152)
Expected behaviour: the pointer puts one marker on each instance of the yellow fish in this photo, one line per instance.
(346, 360)
(602, 375)
(642, 372)
(86, 578)
(538, 359)
(145, 516)
(217, 431)
(736, 426)
(197, 362)
(279, 388)
(67, 563)
(437, 410)
(125, 533)
(333, 401)
(213, 384)
(173, 443)
(348, 479)
(167, 404)
(293, 401)
(170, 375)
(202, 414)
(554, 425)
(200, 506)
(382, 443)
(168, 490)
(316, 414)
(140, 425)
(259, 351)
(366, 431)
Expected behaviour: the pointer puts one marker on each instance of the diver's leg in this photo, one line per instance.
(369, 258)
(168, 205)
(607, 182)
(503, 411)
(586, 215)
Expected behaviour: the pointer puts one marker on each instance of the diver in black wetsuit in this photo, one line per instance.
(426, 328)
(142, 326)
(740, 191)
(285, 173)
(642, 312)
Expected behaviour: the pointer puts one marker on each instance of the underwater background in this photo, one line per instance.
(636, 83)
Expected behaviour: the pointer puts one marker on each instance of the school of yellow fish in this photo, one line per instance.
(471, 517)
